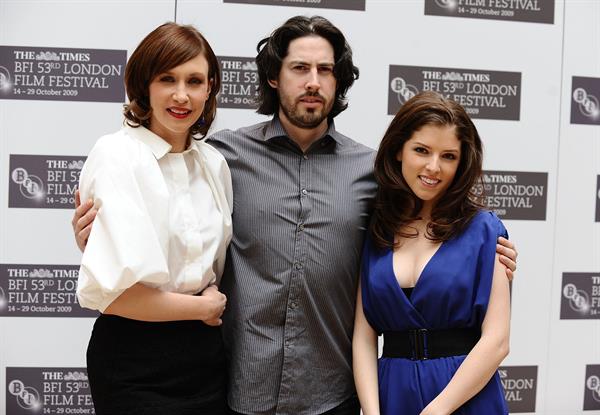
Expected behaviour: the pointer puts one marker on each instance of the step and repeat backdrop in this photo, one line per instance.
(527, 71)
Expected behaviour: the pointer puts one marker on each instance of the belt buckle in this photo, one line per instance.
(418, 340)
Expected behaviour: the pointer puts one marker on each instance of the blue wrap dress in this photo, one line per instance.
(452, 291)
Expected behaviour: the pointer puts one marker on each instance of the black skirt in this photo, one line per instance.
(143, 368)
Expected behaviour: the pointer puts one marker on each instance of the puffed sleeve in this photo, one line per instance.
(224, 175)
(123, 247)
(219, 178)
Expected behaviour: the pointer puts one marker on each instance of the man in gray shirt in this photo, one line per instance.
(302, 195)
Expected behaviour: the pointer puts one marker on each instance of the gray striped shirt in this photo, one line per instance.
(299, 220)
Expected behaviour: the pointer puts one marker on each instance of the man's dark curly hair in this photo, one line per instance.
(273, 49)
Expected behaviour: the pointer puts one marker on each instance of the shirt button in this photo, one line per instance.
(298, 265)
(304, 192)
(305, 157)
(293, 305)
(301, 227)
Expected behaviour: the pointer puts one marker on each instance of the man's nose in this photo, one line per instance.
(312, 83)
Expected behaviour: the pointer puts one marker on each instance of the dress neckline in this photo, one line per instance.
(423, 271)
(407, 291)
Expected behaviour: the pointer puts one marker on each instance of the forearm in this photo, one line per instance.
(140, 302)
(364, 360)
(472, 375)
(364, 363)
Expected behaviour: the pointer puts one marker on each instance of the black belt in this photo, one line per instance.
(422, 344)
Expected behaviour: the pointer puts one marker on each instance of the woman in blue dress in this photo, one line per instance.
(431, 282)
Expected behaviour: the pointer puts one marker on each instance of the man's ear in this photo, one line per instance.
(273, 83)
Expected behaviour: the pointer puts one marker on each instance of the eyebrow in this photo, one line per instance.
(302, 62)
(197, 74)
(446, 151)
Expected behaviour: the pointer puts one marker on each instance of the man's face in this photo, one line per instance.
(306, 85)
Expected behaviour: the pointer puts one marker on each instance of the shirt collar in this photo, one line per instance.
(194, 150)
(275, 129)
(158, 146)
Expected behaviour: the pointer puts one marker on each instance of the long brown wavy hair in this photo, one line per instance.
(395, 203)
(166, 47)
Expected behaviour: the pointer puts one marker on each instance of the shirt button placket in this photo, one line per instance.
(289, 369)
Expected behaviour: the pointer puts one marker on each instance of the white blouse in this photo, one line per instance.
(164, 219)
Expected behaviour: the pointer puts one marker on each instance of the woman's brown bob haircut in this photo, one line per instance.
(395, 204)
(166, 47)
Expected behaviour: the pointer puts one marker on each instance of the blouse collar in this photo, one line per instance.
(158, 145)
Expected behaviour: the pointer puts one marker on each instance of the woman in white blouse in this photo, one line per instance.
(156, 252)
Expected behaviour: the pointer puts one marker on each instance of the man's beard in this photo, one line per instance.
(307, 119)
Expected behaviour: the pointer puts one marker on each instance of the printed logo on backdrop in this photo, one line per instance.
(62, 74)
(239, 82)
(484, 94)
(40, 291)
(43, 181)
(598, 198)
(319, 4)
(515, 194)
(591, 394)
(520, 385)
(580, 296)
(585, 103)
(36, 390)
(535, 11)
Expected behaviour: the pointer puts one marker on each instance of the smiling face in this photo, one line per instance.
(306, 84)
(430, 159)
(177, 99)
